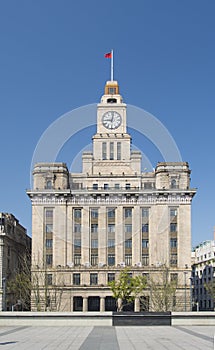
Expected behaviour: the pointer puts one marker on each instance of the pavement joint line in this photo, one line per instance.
(199, 335)
(17, 329)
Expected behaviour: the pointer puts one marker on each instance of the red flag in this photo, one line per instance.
(108, 55)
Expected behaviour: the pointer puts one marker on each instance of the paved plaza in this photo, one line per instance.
(108, 338)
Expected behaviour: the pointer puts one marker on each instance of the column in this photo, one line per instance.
(102, 304)
(137, 305)
(119, 235)
(85, 304)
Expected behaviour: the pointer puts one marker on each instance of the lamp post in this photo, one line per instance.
(185, 290)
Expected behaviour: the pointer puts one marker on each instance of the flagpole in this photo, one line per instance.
(111, 65)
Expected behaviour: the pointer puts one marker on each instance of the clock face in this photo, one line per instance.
(111, 120)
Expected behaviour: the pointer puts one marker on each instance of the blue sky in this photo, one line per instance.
(52, 61)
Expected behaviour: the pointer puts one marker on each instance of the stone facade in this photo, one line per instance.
(14, 243)
(88, 226)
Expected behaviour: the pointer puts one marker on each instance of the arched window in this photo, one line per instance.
(48, 184)
(173, 183)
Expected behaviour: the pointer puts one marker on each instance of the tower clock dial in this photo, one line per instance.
(111, 120)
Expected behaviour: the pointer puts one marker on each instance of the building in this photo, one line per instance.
(87, 226)
(14, 243)
(203, 273)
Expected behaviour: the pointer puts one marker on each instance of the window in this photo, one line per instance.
(111, 277)
(173, 212)
(117, 186)
(112, 91)
(127, 186)
(49, 279)
(93, 279)
(173, 259)
(111, 259)
(95, 186)
(146, 275)
(111, 150)
(94, 259)
(111, 243)
(77, 243)
(173, 184)
(94, 213)
(148, 185)
(94, 228)
(77, 213)
(49, 213)
(111, 213)
(49, 243)
(48, 184)
(118, 150)
(128, 228)
(49, 259)
(128, 212)
(145, 259)
(174, 277)
(77, 228)
(145, 212)
(111, 227)
(173, 242)
(106, 186)
(145, 243)
(94, 243)
(145, 228)
(173, 227)
(76, 279)
(128, 243)
(104, 150)
(77, 259)
(128, 259)
(49, 228)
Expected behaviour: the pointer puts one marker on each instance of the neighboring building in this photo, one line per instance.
(14, 243)
(203, 273)
(87, 226)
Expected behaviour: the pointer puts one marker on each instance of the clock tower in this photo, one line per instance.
(112, 143)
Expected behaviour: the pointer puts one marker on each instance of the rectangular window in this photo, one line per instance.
(111, 227)
(111, 259)
(93, 279)
(145, 228)
(77, 228)
(117, 186)
(49, 259)
(145, 243)
(145, 260)
(127, 186)
(76, 279)
(49, 279)
(112, 91)
(118, 150)
(49, 228)
(106, 186)
(111, 213)
(145, 212)
(173, 242)
(94, 213)
(173, 227)
(111, 277)
(77, 243)
(49, 243)
(128, 259)
(94, 259)
(104, 150)
(173, 260)
(77, 213)
(95, 186)
(174, 277)
(128, 228)
(128, 212)
(94, 228)
(173, 212)
(94, 243)
(49, 213)
(111, 150)
(111, 243)
(77, 259)
(128, 243)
